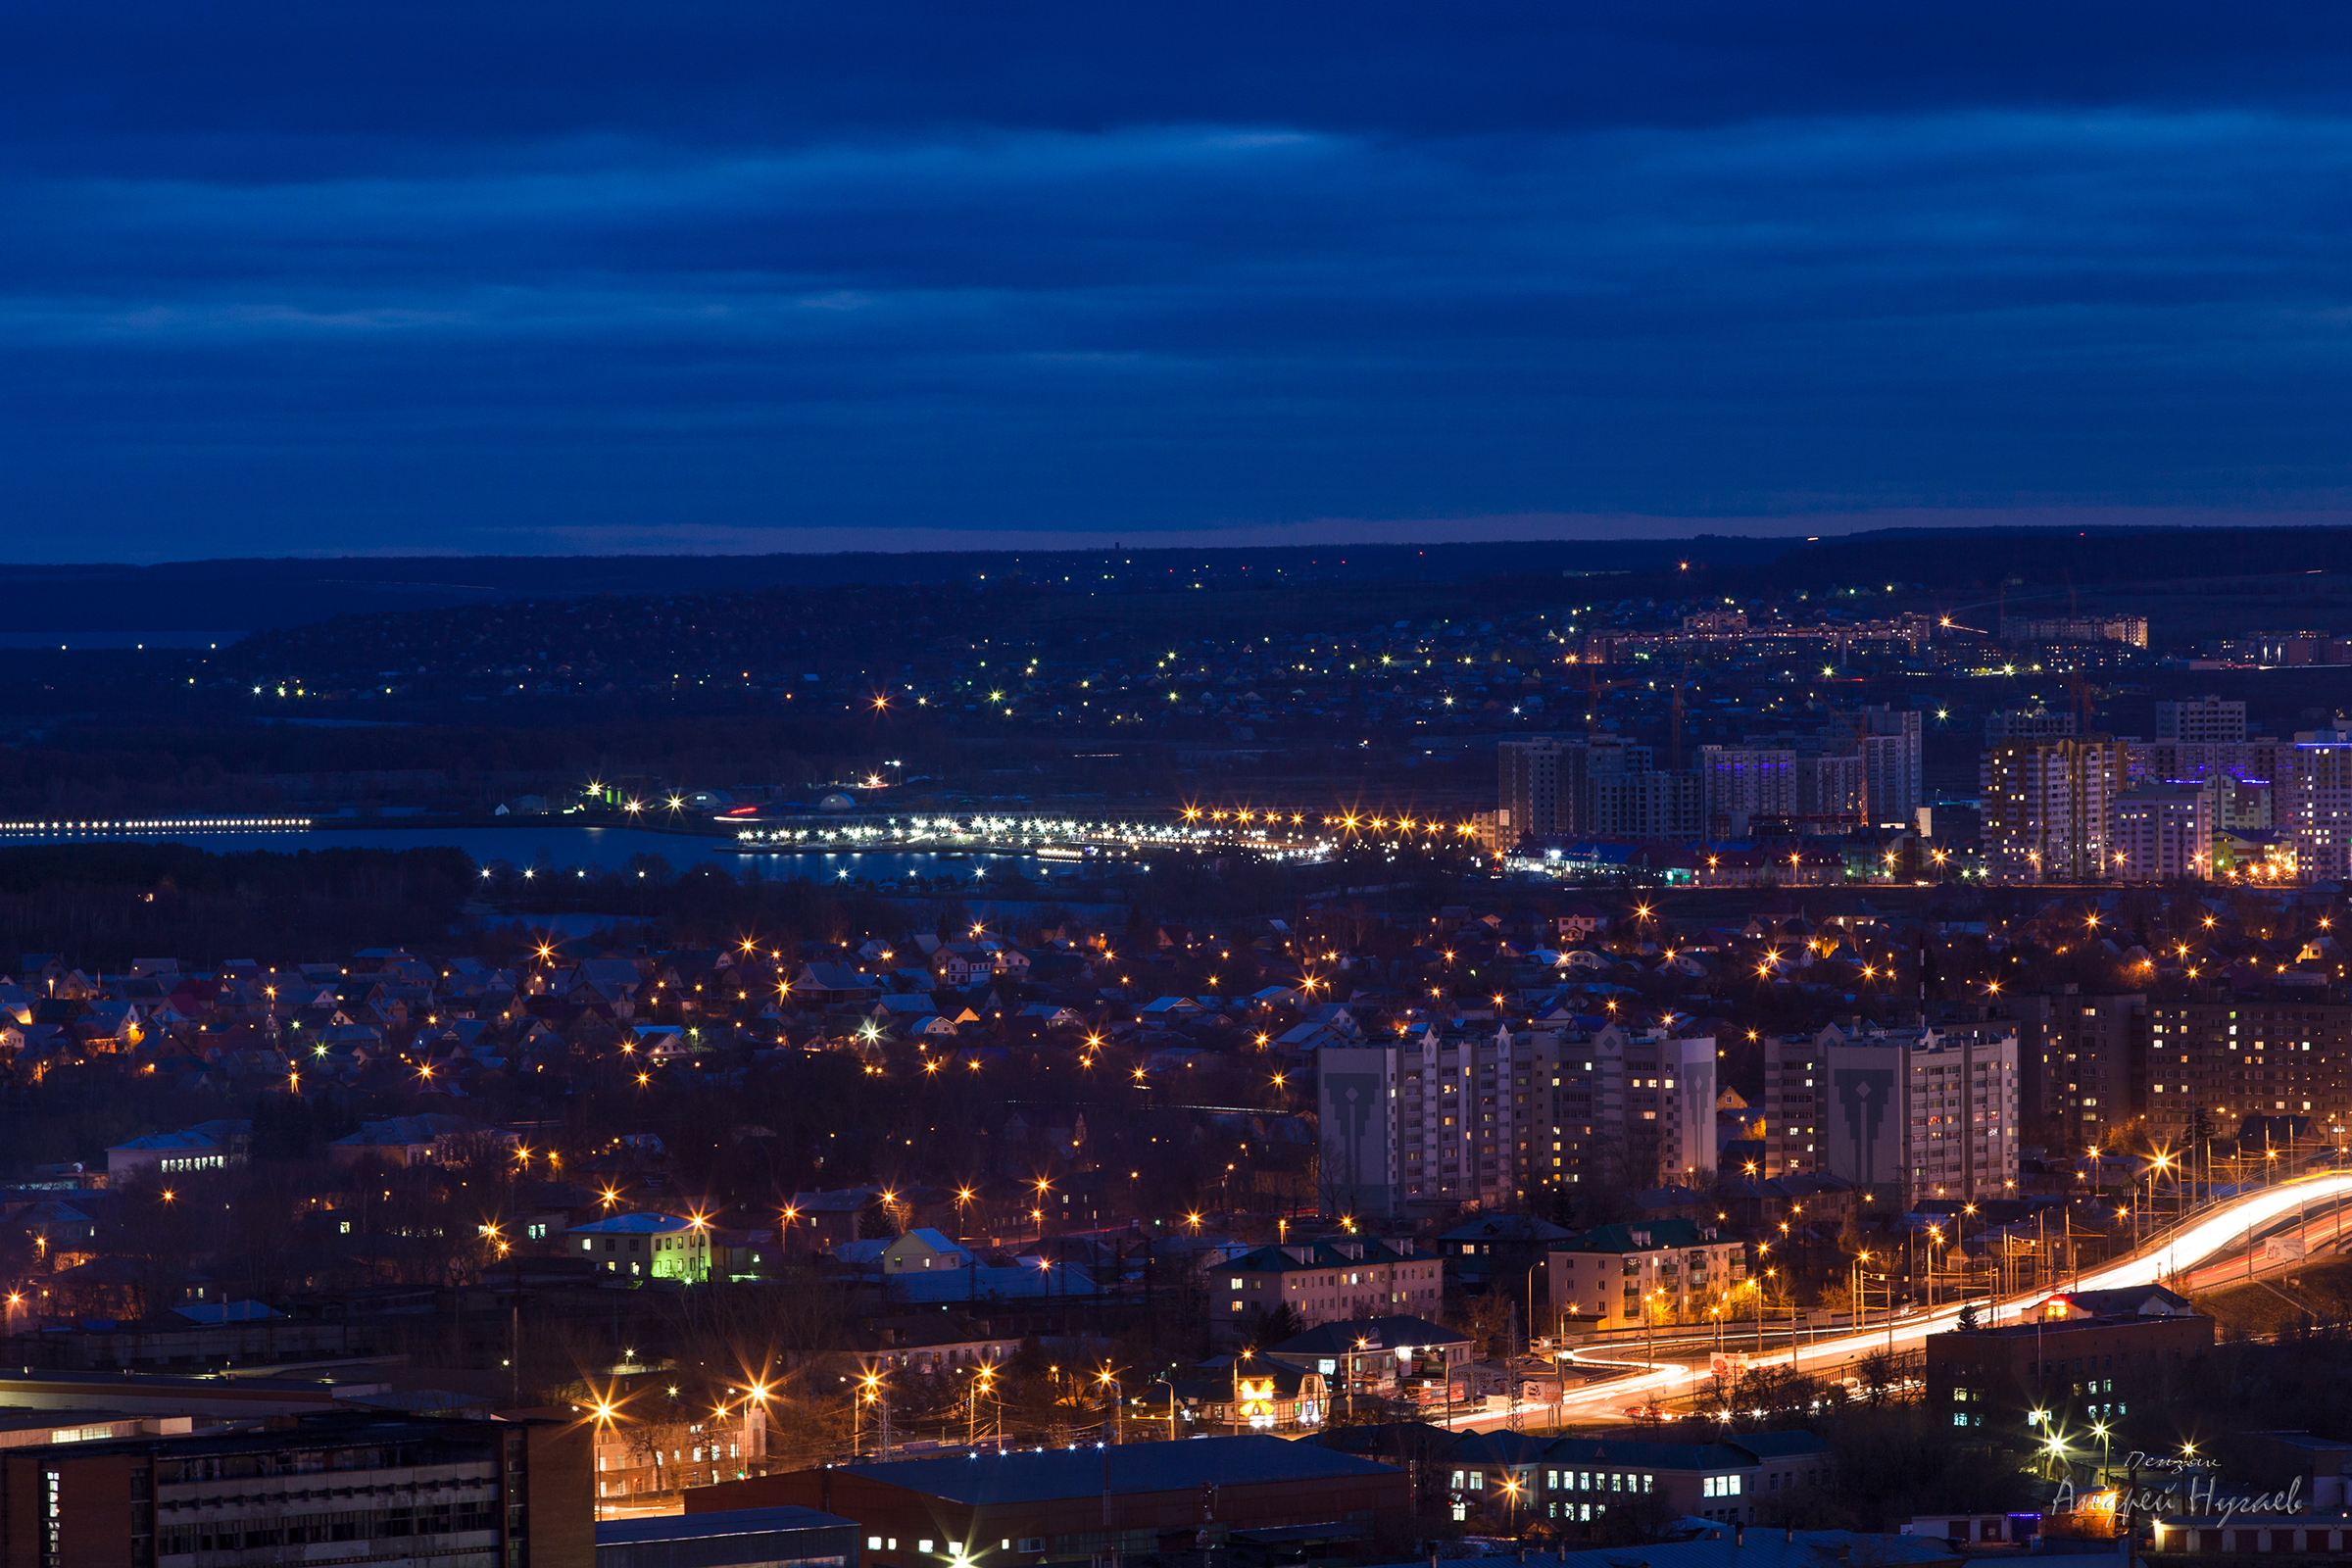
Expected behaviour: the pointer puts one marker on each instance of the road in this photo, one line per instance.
(2186, 1255)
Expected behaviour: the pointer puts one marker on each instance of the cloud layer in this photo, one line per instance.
(289, 279)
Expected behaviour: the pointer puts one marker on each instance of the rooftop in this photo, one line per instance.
(1049, 1475)
(709, 1526)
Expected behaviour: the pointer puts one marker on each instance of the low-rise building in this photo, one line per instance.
(1327, 1281)
(747, 1538)
(1011, 1508)
(691, 1448)
(2087, 1355)
(346, 1485)
(1576, 1481)
(1618, 1276)
(645, 1247)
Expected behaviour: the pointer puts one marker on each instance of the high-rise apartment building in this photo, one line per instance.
(2081, 1069)
(2049, 809)
(1484, 1119)
(2252, 780)
(2320, 819)
(1647, 805)
(1890, 744)
(2163, 830)
(2202, 720)
(1529, 802)
(1740, 783)
(1793, 1074)
(1928, 1112)
(2238, 1058)
(2027, 725)
(1829, 784)
(1545, 783)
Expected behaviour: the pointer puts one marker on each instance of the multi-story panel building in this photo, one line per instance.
(1829, 784)
(2081, 1069)
(1739, 783)
(1433, 1120)
(1668, 1094)
(1890, 739)
(1547, 782)
(1530, 799)
(2242, 1058)
(1330, 1281)
(2163, 830)
(1649, 806)
(2132, 630)
(1658, 1271)
(342, 1488)
(2049, 809)
(2252, 781)
(1484, 1119)
(1792, 1070)
(2007, 725)
(2322, 814)
(1929, 1112)
(2202, 720)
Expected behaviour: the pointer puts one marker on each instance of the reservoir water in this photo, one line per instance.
(567, 847)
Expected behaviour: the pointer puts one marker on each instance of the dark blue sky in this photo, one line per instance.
(428, 276)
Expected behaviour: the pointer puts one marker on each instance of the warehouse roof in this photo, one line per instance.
(1044, 1476)
(732, 1522)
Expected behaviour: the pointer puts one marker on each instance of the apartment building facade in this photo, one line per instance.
(1330, 1281)
(2162, 831)
(1928, 1112)
(2237, 1059)
(1655, 1271)
(1484, 1119)
(1888, 740)
(1545, 783)
(2202, 719)
(2082, 1067)
(1794, 1070)
(2049, 810)
(2321, 815)
(342, 1488)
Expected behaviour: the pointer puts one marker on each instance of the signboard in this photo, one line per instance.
(2281, 1248)
(1724, 1364)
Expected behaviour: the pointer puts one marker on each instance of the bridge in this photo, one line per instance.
(1270, 832)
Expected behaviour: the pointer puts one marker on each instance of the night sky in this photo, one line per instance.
(293, 278)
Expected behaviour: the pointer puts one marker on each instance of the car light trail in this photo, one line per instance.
(2236, 1221)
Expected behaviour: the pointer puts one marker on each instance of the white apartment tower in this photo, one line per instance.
(1918, 1113)
(2163, 830)
(1486, 1118)
(2321, 816)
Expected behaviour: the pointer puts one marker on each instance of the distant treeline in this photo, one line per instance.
(1987, 557)
(103, 905)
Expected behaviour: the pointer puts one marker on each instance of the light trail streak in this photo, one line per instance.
(2235, 1222)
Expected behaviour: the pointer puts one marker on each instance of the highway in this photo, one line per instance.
(2187, 1254)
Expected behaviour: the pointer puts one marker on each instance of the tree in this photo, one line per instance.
(1968, 1318)
(1283, 1323)
(1491, 1320)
